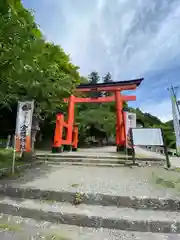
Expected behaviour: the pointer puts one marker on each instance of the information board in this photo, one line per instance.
(147, 137)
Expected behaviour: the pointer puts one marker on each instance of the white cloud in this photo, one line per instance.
(133, 37)
(141, 37)
(129, 38)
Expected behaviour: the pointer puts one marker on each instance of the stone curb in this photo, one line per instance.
(112, 165)
(7, 171)
(84, 220)
(88, 160)
(93, 199)
(108, 164)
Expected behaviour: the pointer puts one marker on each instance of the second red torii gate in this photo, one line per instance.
(72, 131)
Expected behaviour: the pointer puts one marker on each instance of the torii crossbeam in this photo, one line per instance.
(72, 131)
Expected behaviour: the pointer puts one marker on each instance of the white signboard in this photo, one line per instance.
(130, 121)
(23, 125)
(147, 137)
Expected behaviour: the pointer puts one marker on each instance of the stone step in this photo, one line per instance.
(16, 228)
(85, 160)
(69, 157)
(164, 204)
(79, 155)
(93, 216)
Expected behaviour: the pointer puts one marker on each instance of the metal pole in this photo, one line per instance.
(175, 97)
(14, 155)
(175, 118)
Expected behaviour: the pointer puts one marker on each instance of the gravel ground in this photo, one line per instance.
(123, 181)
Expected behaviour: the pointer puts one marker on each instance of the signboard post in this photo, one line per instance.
(22, 141)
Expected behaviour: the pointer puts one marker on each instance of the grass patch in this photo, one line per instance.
(175, 170)
(169, 179)
(75, 185)
(48, 201)
(78, 199)
(6, 157)
(141, 156)
(11, 176)
(10, 227)
(165, 183)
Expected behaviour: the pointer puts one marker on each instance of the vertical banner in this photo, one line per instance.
(23, 126)
(175, 121)
(130, 122)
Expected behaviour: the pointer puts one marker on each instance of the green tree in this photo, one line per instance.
(30, 67)
(108, 79)
(94, 78)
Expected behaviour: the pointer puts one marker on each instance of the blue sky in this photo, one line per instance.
(129, 38)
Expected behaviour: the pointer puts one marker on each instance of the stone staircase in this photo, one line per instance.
(92, 208)
(100, 159)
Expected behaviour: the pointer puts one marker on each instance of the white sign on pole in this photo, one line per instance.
(147, 137)
(130, 121)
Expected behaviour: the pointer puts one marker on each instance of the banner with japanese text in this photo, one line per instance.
(23, 126)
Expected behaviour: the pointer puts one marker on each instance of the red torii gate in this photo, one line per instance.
(72, 130)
